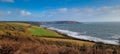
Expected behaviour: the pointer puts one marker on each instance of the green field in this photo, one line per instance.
(40, 31)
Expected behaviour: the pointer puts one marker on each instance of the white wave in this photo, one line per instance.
(85, 37)
(115, 37)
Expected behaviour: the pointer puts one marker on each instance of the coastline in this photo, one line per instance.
(65, 36)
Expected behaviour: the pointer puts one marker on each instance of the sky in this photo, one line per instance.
(60, 10)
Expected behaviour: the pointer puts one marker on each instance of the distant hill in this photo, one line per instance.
(60, 22)
(52, 22)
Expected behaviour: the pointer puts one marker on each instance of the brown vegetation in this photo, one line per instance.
(28, 45)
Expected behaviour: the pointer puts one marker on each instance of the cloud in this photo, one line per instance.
(63, 9)
(11, 1)
(25, 13)
(107, 13)
(5, 13)
(9, 12)
(15, 13)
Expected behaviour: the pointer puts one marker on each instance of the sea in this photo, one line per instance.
(106, 32)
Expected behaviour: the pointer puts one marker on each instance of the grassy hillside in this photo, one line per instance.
(23, 27)
(14, 29)
(18, 38)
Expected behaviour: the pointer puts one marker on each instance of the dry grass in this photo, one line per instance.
(28, 48)
(68, 42)
(34, 45)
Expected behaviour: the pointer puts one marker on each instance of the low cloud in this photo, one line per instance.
(9, 12)
(25, 13)
(63, 9)
(11, 1)
(15, 13)
(5, 13)
(107, 13)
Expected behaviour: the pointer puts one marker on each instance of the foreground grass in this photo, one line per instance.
(40, 31)
(36, 45)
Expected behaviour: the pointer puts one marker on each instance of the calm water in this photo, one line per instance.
(102, 32)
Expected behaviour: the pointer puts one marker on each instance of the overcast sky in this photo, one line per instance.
(58, 10)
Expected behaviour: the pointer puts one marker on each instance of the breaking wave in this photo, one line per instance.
(85, 37)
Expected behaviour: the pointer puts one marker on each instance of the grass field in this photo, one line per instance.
(40, 31)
